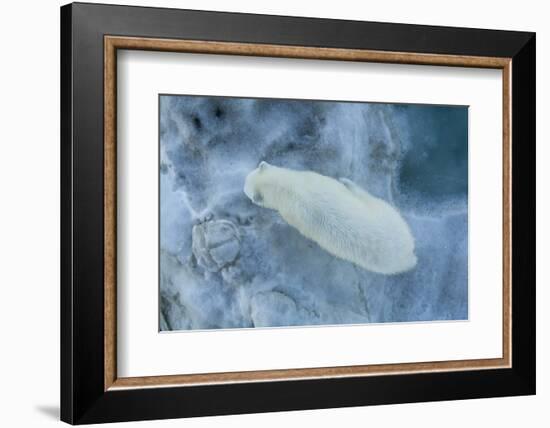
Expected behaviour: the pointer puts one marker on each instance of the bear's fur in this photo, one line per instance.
(342, 218)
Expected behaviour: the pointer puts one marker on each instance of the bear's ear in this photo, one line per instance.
(263, 165)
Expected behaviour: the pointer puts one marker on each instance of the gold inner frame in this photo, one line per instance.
(113, 43)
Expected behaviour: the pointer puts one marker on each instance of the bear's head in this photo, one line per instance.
(253, 185)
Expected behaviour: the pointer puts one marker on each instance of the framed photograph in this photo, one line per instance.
(265, 213)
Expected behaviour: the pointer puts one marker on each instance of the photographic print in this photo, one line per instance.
(283, 212)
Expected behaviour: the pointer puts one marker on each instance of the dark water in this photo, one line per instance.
(437, 166)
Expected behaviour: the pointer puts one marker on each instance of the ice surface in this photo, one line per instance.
(227, 263)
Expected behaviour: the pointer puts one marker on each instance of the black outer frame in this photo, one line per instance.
(83, 399)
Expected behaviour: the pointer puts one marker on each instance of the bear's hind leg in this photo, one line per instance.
(356, 189)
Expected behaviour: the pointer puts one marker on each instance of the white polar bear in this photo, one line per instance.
(342, 218)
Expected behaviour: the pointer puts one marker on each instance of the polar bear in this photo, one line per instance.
(342, 218)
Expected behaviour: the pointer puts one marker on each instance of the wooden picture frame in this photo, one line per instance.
(91, 391)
